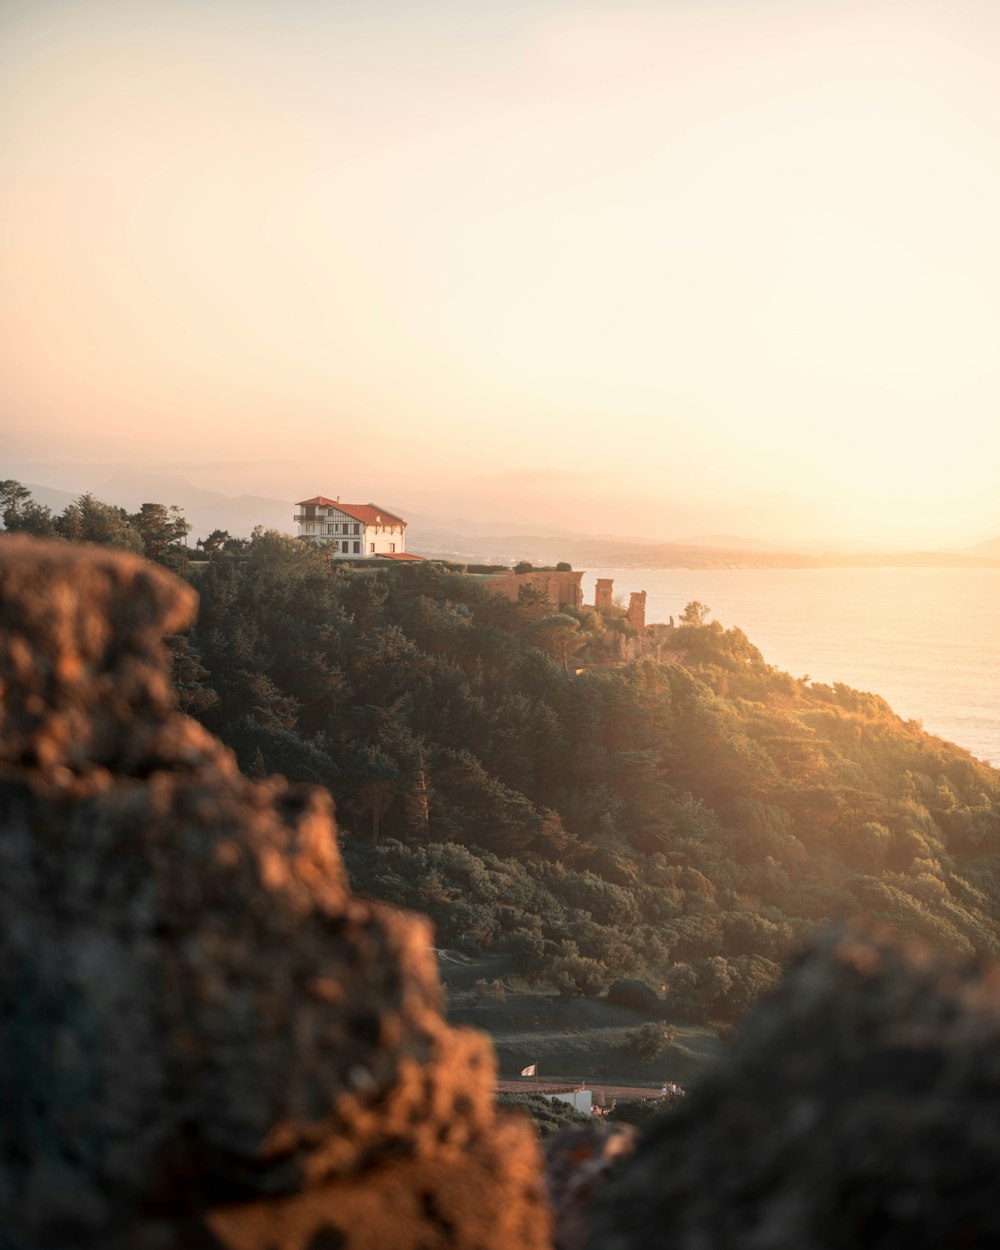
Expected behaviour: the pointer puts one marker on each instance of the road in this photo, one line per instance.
(528, 1085)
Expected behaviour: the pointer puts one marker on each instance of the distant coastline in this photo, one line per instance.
(603, 553)
(926, 639)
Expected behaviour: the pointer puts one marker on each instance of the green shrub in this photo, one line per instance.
(638, 1113)
(548, 1115)
(579, 977)
(650, 1038)
(494, 989)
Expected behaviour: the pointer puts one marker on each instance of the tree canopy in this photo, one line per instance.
(688, 821)
(685, 820)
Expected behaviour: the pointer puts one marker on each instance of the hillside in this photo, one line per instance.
(686, 822)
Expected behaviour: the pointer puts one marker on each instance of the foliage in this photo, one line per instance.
(548, 1115)
(156, 531)
(635, 994)
(684, 823)
(637, 1113)
(579, 975)
(650, 1038)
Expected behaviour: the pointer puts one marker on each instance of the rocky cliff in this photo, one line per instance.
(205, 1040)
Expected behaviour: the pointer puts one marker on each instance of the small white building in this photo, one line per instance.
(581, 1099)
(352, 530)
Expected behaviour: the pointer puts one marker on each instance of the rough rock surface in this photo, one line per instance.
(578, 1161)
(860, 1106)
(205, 1040)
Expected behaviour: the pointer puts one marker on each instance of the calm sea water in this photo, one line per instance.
(927, 640)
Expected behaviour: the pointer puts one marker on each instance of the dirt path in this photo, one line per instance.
(624, 1093)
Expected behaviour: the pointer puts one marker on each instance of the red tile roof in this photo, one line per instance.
(396, 555)
(369, 513)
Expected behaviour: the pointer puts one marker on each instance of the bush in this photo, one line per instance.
(650, 1038)
(637, 1113)
(579, 977)
(494, 989)
(548, 1115)
(634, 994)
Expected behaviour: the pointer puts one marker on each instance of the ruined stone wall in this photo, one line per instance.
(564, 588)
(636, 615)
(603, 594)
(205, 1040)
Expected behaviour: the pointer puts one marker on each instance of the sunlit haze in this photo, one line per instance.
(660, 269)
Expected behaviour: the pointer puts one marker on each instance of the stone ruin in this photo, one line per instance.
(858, 1108)
(636, 614)
(205, 1040)
(604, 588)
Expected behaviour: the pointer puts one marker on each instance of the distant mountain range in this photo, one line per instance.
(990, 549)
(501, 542)
(584, 552)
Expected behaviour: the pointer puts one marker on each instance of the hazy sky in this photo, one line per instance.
(678, 267)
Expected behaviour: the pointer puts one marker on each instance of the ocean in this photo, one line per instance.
(926, 640)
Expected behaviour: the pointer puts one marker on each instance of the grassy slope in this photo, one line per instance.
(569, 1038)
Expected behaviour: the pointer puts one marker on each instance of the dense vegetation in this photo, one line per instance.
(684, 821)
(548, 1115)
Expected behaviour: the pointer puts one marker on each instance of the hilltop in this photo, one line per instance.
(688, 822)
(687, 817)
(468, 541)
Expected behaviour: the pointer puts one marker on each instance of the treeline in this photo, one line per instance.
(156, 531)
(686, 822)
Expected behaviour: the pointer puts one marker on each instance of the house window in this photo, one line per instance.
(392, 546)
(357, 548)
(345, 547)
(371, 548)
(357, 529)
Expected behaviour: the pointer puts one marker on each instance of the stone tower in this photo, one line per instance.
(636, 614)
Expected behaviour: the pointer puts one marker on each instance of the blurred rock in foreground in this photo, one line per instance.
(860, 1107)
(578, 1161)
(205, 1041)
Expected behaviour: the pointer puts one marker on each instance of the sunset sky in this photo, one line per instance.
(675, 267)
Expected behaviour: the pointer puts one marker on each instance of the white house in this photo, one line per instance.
(352, 530)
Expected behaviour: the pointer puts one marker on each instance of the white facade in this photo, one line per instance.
(351, 531)
(581, 1099)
